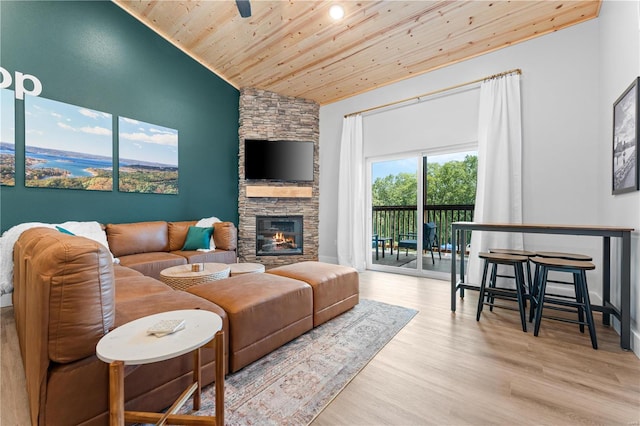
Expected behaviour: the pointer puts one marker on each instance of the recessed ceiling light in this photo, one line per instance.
(336, 12)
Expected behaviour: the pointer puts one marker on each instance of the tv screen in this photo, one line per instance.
(278, 160)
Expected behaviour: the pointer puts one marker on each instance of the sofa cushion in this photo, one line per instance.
(132, 287)
(142, 237)
(178, 233)
(225, 235)
(150, 264)
(198, 238)
(71, 279)
(265, 311)
(120, 271)
(215, 256)
(336, 288)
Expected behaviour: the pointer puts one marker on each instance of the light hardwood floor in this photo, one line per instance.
(448, 369)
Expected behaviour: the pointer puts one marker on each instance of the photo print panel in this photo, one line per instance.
(625, 140)
(67, 146)
(148, 157)
(7, 138)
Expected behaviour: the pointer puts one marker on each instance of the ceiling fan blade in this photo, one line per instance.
(244, 7)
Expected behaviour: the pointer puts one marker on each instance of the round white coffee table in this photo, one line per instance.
(130, 344)
(246, 268)
(182, 277)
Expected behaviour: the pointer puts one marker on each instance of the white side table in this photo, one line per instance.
(245, 268)
(130, 344)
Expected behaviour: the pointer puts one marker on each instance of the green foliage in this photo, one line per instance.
(148, 180)
(453, 182)
(58, 178)
(398, 190)
(7, 169)
(151, 180)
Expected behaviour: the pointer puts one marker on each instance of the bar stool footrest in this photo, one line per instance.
(502, 292)
(568, 320)
(500, 305)
(563, 303)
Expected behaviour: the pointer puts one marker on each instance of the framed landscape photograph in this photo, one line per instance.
(67, 146)
(148, 157)
(7, 138)
(625, 176)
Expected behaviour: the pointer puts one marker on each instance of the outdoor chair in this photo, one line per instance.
(429, 241)
(375, 243)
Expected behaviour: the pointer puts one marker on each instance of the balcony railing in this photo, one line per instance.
(391, 221)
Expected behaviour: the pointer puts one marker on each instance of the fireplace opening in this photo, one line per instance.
(278, 235)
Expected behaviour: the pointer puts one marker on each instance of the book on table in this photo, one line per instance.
(165, 327)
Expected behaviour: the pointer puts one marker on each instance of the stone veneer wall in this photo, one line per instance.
(270, 116)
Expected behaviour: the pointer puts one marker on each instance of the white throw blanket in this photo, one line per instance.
(91, 230)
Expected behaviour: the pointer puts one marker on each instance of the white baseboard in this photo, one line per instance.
(6, 300)
(635, 342)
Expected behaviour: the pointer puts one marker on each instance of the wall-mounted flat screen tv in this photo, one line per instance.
(278, 160)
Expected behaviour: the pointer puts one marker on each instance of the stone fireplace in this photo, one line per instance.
(270, 116)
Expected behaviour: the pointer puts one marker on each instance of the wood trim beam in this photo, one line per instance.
(279, 191)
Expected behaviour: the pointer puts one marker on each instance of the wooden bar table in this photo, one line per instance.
(621, 312)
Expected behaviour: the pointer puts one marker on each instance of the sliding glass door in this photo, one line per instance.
(394, 217)
(412, 202)
(449, 196)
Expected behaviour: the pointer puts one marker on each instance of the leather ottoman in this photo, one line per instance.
(264, 312)
(335, 288)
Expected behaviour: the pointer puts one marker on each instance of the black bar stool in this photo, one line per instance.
(491, 292)
(567, 256)
(540, 299)
(559, 255)
(517, 253)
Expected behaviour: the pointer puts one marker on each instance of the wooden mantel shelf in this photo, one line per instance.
(279, 191)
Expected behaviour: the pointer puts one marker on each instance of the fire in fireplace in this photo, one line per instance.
(278, 235)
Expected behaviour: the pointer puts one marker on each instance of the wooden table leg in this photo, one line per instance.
(116, 393)
(197, 379)
(220, 363)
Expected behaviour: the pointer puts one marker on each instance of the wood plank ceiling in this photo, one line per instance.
(295, 49)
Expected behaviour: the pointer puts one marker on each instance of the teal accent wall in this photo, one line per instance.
(93, 54)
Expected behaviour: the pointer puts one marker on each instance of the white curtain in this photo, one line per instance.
(351, 243)
(499, 191)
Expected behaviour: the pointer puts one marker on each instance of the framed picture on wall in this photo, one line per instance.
(67, 146)
(625, 176)
(147, 157)
(7, 138)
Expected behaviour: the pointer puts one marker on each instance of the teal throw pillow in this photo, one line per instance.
(198, 238)
(64, 231)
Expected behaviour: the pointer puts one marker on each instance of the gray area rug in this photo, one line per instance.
(292, 385)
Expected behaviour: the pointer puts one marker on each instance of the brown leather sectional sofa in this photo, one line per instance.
(68, 293)
(150, 247)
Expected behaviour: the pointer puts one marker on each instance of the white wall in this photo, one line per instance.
(426, 125)
(570, 80)
(619, 65)
(560, 130)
